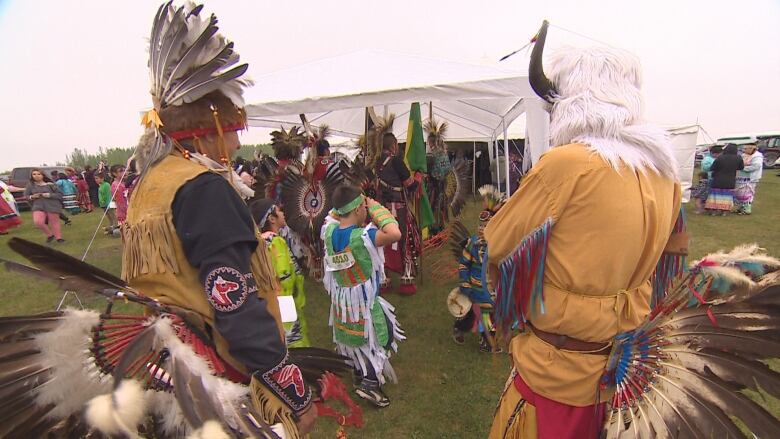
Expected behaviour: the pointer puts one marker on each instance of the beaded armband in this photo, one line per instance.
(381, 216)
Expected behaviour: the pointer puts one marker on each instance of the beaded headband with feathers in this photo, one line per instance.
(492, 200)
(194, 81)
(492, 197)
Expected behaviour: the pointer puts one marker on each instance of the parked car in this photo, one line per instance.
(769, 145)
(21, 176)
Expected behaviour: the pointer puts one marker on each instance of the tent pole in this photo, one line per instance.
(495, 156)
(506, 153)
(474, 169)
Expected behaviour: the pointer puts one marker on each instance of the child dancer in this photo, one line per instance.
(472, 272)
(106, 203)
(270, 219)
(118, 191)
(701, 191)
(365, 328)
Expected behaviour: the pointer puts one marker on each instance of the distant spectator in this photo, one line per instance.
(747, 179)
(71, 173)
(709, 159)
(85, 202)
(106, 203)
(515, 171)
(701, 191)
(46, 205)
(483, 167)
(130, 178)
(89, 177)
(69, 191)
(9, 216)
(54, 177)
(724, 177)
(119, 192)
(102, 168)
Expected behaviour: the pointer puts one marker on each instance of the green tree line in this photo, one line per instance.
(79, 158)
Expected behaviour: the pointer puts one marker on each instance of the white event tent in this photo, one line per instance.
(684, 142)
(479, 102)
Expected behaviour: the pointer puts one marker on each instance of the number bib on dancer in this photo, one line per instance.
(339, 261)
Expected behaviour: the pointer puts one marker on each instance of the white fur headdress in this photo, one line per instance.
(596, 100)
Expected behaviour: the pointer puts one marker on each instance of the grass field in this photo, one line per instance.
(444, 390)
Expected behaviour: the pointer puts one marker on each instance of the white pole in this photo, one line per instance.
(506, 153)
(495, 156)
(474, 169)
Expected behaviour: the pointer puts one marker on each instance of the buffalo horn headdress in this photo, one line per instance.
(541, 85)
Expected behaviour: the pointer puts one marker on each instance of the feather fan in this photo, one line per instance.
(682, 372)
(458, 187)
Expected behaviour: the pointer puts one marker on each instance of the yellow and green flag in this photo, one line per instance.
(415, 160)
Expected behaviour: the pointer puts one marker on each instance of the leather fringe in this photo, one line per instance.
(520, 289)
(148, 247)
(272, 409)
(669, 267)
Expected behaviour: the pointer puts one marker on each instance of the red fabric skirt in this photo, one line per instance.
(8, 217)
(555, 420)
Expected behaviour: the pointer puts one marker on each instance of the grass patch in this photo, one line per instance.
(444, 390)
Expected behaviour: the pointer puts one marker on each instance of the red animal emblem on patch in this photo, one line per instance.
(220, 290)
(288, 376)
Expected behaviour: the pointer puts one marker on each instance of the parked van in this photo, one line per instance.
(767, 143)
(21, 176)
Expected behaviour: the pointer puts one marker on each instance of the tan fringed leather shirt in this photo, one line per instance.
(609, 231)
(154, 261)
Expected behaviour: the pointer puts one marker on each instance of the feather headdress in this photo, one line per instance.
(385, 125)
(287, 145)
(322, 134)
(375, 139)
(492, 198)
(436, 132)
(195, 84)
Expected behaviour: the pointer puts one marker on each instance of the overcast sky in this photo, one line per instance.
(74, 72)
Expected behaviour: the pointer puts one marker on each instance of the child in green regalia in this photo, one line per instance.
(270, 219)
(365, 328)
